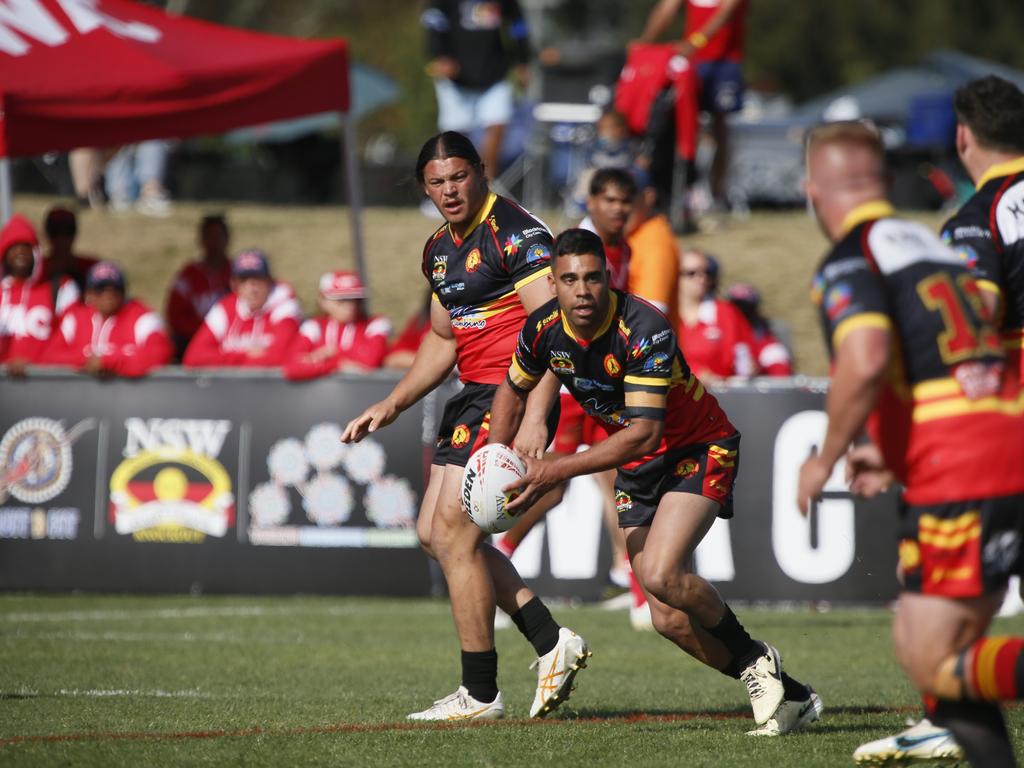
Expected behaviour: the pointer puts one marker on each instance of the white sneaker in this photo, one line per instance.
(918, 743)
(461, 706)
(791, 716)
(763, 678)
(640, 617)
(556, 670)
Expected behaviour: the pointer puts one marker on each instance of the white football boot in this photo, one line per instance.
(763, 678)
(461, 706)
(556, 670)
(922, 742)
(792, 716)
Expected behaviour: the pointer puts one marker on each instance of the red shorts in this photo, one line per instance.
(575, 427)
(961, 549)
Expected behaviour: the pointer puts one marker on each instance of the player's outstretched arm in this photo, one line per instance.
(434, 360)
(640, 438)
(861, 362)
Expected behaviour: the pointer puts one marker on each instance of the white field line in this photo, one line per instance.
(154, 637)
(104, 693)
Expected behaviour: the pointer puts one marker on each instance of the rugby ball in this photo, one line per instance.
(488, 471)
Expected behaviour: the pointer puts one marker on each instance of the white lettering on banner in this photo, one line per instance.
(31, 19)
(713, 556)
(203, 436)
(574, 543)
(791, 533)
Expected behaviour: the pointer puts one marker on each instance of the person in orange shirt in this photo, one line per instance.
(654, 269)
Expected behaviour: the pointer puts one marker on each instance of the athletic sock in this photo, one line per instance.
(739, 643)
(992, 669)
(979, 729)
(480, 674)
(535, 622)
(794, 689)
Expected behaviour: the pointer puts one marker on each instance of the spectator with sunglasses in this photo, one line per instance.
(714, 335)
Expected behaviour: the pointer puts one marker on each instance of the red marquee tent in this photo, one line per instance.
(99, 73)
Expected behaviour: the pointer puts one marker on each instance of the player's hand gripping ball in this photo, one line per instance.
(487, 472)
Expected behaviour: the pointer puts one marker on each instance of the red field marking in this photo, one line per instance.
(630, 718)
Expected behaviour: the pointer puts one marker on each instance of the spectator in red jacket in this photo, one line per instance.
(61, 228)
(110, 335)
(29, 307)
(253, 326)
(201, 283)
(771, 356)
(343, 338)
(714, 336)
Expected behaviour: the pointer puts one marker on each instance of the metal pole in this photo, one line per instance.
(355, 191)
(6, 190)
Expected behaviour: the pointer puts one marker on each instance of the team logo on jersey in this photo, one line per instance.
(561, 362)
(440, 270)
(623, 502)
(170, 486)
(612, 366)
(687, 468)
(512, 243)
(35, 459)
(460, 436)
(473, 260)
(838, 300)
(656, 360)
(537, 253)
(817, 290)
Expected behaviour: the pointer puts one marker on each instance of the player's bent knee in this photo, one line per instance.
(667, 584)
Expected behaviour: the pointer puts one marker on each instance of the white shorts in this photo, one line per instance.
(466, 109)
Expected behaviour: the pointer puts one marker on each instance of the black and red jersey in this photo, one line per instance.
(988, 234)
(476, 279)
(631, 369)
(949, 420)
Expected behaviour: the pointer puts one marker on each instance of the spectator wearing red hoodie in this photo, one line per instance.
(28, 305)
(343, 338)
(201, 283)
(61, 259)
(770, 354)
(110, 335)
(253, 326)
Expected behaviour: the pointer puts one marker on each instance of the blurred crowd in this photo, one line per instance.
(61, 307)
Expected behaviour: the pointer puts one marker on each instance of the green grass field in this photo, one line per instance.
(100, 680)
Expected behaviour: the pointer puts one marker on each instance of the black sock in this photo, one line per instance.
(979, 729)
(480, 674)
(535, 622)
(795, 690)
(740, 644)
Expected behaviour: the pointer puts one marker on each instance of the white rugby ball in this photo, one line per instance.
(487, 472)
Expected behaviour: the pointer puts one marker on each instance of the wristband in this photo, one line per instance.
(697, 39)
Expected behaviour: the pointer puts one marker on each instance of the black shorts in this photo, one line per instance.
(466, 422)
(961, 549)
(703, 469)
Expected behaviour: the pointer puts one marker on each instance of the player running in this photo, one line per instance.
(911, 348)
(485, 266)
(676, 453)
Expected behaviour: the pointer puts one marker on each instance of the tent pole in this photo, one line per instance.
(355, 194)
(6, 190)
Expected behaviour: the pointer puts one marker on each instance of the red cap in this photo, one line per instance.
(342, 285)
(18, 230)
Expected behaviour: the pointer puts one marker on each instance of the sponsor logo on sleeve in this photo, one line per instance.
(838, 300)
(655, 361)
(537, 253)
(512, 243)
